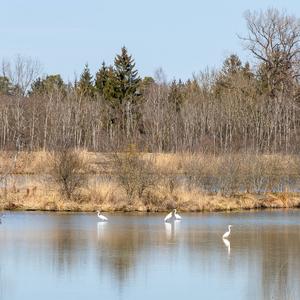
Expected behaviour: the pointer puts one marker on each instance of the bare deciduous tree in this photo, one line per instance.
(134, 173)
(274, 40)
(67, 170)
(21, 72)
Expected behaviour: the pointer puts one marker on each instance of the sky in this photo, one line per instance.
(182, 37)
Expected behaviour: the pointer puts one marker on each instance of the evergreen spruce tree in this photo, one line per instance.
(85, 84)
(6, 88)
(232, 65)
(144, 85)
(127, 77)
(102, 76)
(111, 88)
(48, 85)
(233, 71)
(175, 96)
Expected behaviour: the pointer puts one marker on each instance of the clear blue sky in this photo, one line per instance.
(181, 36)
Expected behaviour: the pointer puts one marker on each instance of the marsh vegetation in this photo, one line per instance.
(134, 181)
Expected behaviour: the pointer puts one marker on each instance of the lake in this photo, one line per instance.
(134, 256)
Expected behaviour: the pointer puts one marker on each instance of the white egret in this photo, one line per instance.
(172, 216)
(227, 233)
(101, 217)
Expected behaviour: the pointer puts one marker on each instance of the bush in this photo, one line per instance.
(67, 171)
(134, 173)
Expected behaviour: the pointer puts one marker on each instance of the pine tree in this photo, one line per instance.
(175, 96)
(231, 73)
(48, 85)
(127, 76)
(6, 87)
(111, 88)
(102, 76)
(232, 65)
(85, 84)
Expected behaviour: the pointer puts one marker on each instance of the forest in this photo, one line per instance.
(242, 107)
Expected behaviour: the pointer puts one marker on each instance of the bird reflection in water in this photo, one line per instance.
(171, 229)
(227, 244)
(101, 229)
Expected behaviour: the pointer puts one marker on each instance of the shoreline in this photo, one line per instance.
(153, 182)
(137, 212)
(208, 203)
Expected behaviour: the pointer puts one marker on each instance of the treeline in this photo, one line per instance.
(241, 107)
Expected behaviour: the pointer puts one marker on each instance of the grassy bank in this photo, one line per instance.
(108, 197)
(154, 182)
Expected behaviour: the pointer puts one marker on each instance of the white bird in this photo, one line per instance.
(172, 216)
(101, 217)
(227, 233)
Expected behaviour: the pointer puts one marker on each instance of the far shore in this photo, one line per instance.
(188, 182)
(40, 201)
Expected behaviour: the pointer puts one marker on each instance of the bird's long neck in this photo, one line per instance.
(229, 228)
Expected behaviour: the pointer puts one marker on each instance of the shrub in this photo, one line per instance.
(67, 171)
(134, 173)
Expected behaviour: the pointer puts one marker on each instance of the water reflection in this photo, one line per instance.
(101, 227)
(227, 244)
(121, 259)
(172, 229)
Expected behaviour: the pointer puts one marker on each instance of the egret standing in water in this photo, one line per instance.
(227, 233)
(172, 216)
(101, 217)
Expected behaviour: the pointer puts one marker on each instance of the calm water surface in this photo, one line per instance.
(72, 256)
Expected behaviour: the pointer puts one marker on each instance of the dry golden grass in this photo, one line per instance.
(170, 163)
(109, 196)
(35, 162)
